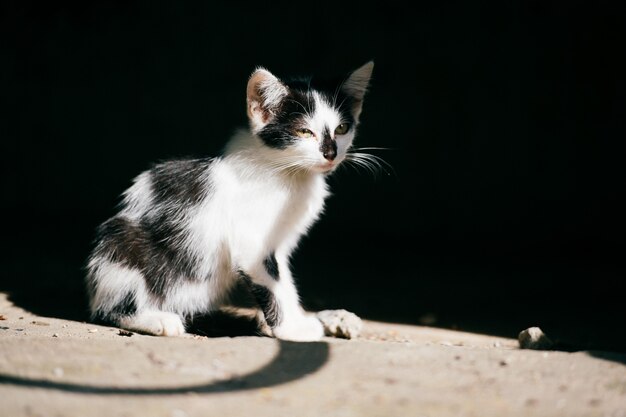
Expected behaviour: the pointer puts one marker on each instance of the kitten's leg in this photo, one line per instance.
(278, 299)
(155, 322)
(149, 321)
(119, 298)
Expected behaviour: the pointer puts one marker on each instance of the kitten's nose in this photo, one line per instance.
(330, 154)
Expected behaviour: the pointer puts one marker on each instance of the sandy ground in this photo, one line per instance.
(53, 367)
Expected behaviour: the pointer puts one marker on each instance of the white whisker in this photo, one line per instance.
(372, 148)
(369, 162)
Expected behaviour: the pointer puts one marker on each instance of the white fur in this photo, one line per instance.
(138, 198)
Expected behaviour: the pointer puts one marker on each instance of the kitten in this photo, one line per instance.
(187, 230)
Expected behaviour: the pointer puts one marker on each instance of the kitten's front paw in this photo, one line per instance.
(158, 323)
(303, 329)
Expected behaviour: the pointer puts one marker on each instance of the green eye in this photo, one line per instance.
(342, 129)
(304, 133)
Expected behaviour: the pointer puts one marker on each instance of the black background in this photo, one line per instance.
(505, 123)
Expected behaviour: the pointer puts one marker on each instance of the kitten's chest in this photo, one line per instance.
(275, 204)
(266, 212)
(254, 214)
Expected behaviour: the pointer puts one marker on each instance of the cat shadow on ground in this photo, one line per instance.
(293, 361)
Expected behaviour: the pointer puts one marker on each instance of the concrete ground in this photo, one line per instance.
(54, 367)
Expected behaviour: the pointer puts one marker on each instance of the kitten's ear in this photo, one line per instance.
(264, 94)
(356, 85)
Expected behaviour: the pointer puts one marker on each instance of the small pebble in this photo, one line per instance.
(58, 372)
(531, 402)
(595, 402)
(55, 335)
(92, 330)
(534, 338)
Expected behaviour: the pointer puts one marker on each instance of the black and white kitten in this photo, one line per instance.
(187, 230)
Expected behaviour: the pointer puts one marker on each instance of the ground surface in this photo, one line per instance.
(54, 367)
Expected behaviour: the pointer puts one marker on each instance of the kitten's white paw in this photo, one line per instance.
(158, 323)
(303, 329)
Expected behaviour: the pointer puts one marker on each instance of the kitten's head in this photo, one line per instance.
(311, 123)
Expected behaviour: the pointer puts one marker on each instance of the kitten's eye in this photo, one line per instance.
(304, 133)
(342, 129)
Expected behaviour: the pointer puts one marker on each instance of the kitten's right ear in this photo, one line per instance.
(264, 94)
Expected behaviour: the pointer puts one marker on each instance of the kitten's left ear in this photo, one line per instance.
(264, 94)
(356, 85)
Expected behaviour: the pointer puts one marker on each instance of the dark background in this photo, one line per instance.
(505, 206)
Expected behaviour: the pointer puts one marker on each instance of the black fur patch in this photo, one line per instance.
(266, 300)
(154, 247)
(126, 307)
(122, 241)
(180, 181)
(271, 266)
(169, 261)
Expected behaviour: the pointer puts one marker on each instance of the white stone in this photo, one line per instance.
(534, 338)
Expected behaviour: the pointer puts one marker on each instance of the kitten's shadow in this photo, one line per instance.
(293, 361)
